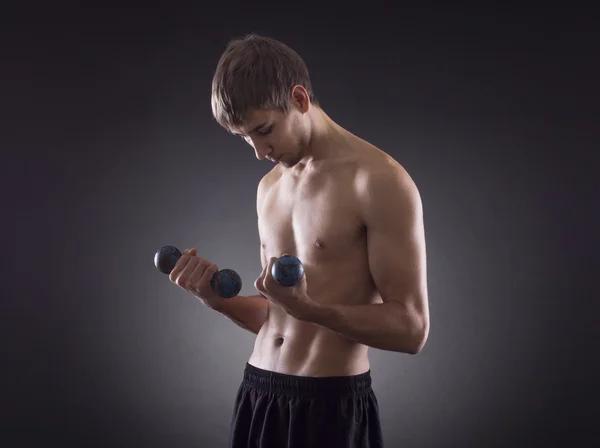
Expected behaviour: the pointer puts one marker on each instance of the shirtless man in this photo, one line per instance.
(353, 216)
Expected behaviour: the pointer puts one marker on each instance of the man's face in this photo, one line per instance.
(280, 138)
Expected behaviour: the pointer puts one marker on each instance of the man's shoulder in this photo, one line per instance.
(269, 178)
(376, 167)
(382, 185)
(266, 182)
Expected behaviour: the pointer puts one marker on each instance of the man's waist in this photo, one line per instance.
(318, 386)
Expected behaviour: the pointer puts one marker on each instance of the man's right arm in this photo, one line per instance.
(249, 312)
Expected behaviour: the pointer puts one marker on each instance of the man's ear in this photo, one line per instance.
(300, 98)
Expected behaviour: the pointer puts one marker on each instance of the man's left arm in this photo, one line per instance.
(393, 216)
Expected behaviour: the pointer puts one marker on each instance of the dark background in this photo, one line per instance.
(110, 151)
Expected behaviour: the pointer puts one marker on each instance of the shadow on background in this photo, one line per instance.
(112, 152)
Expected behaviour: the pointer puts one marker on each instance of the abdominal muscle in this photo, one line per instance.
(287, 345)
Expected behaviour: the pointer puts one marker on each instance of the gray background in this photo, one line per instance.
(110, 152)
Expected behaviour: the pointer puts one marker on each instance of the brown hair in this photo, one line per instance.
(256, 72)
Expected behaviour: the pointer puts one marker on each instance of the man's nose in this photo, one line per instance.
(261, 150)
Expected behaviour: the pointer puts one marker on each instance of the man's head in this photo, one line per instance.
(262, 91)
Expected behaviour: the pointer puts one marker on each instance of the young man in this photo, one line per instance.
(353, 216)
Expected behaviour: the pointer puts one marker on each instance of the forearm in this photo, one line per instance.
(385, 326)
(249, 312)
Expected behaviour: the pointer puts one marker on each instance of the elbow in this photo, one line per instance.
(416, 347)
(419, 337)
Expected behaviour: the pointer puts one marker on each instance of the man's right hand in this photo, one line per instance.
(194, 273)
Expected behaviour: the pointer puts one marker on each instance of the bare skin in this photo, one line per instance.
(353, 216)
(314, 214)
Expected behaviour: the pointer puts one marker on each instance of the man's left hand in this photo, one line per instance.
(293, 299)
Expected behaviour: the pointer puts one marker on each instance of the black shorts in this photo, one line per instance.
(273, 410)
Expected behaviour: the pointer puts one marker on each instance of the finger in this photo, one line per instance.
(269, 281)
(259, 283)
(183, 279)
(179, 266)
(204, 286)
(195, 279)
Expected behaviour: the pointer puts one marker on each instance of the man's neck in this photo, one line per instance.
(324, 133)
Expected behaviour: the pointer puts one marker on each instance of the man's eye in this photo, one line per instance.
(266, 131)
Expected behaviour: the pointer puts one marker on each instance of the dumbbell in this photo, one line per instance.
(226, 283)
(287, 270)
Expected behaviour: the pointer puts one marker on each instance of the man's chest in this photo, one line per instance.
(316, 217)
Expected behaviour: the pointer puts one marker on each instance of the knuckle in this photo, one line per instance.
(203, 277)
(198, 284)
(260, 284)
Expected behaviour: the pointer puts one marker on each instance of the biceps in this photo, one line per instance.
(398, 264)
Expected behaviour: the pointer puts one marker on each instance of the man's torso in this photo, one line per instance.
(314, 213)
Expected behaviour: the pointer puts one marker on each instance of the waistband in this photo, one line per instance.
(304, 385)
